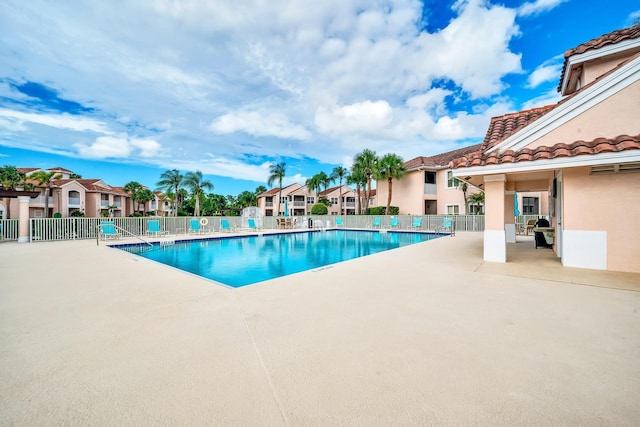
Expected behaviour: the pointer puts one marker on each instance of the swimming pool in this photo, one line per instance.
(244, 260)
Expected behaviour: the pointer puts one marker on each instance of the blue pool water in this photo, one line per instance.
(244, 260)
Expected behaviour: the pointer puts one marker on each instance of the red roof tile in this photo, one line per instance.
(578, 148)
(440, 160)
(502, 127)
(613, 37)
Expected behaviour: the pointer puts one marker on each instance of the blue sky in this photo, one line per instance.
(123, 90)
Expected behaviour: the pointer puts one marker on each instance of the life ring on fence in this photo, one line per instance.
(204, 221)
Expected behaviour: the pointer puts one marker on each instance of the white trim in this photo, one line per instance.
(592, 54)
(584, 249)
(495, 246)
(551, 164)
(496, 178)
(578, 104)
(446, 208)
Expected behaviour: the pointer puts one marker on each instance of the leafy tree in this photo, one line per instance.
(214, 204)
(260, 189)
(325, 180)
(365, 162)
(340, 173)
(277, 172)
(10, 178)
(45, 178)
(246, 199)
(132, 188)
(197, 184)
(390, 166)
(75, 176)
(319, 209)
(170, 182)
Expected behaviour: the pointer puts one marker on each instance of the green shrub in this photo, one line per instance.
(319, 209)
(380, 210)
(76, 213)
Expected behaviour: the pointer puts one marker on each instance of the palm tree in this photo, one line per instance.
(464, 187)
(325, 180)
(132, 188)
(477, 199)
(340, 173)
(277, 172)
(45, 178)
(10, 178)
(315, 183)
(195, 182)
(366, 161)
(388, 167)
(171, 180)
(359, 179)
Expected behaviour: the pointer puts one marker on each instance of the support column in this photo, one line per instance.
(509, 218)
(495, 246)
(23, 218)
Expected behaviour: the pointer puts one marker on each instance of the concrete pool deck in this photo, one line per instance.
(428, 334)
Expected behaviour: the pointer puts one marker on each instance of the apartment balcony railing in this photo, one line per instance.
(104, 204)
(269, 204)
(73, 202)
(298, 203)
(430, 189)
(40, 201)
(349, 204)
(117, 204)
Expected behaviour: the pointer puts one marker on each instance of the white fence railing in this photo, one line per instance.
(49, 229)
(9, 229)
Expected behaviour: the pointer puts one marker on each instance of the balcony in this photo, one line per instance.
(350, 204)
(40, 201)
(104, 204)
(298, 203)
(430, 189)
(117, 204)
(73, 202)
(269, 204)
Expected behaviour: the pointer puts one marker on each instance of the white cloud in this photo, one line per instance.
(546, 72)
(110, 147)
(147, 147)
(105, 147)
(267, 78)
(538, 6)
(257, 124)
(61, 121)
(362, 117)
(549, 98)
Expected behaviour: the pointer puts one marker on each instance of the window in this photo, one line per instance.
(530, 206)
(452, 182)
(310, 200)
(453, 209)
(429, 177)
(334, 200)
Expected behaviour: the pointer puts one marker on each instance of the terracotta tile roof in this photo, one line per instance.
(502, 127)
(578, 148)
(604, 40)
(329, 190)
(59, 169)
(27, 170)
(440, 160)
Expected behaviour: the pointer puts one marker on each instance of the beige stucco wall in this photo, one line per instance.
(609, 203)
(596, 68)
(612, 117)
(408, 193)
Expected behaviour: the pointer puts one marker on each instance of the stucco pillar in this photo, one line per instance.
(495, 246)
(509, 218)
(23, 218)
